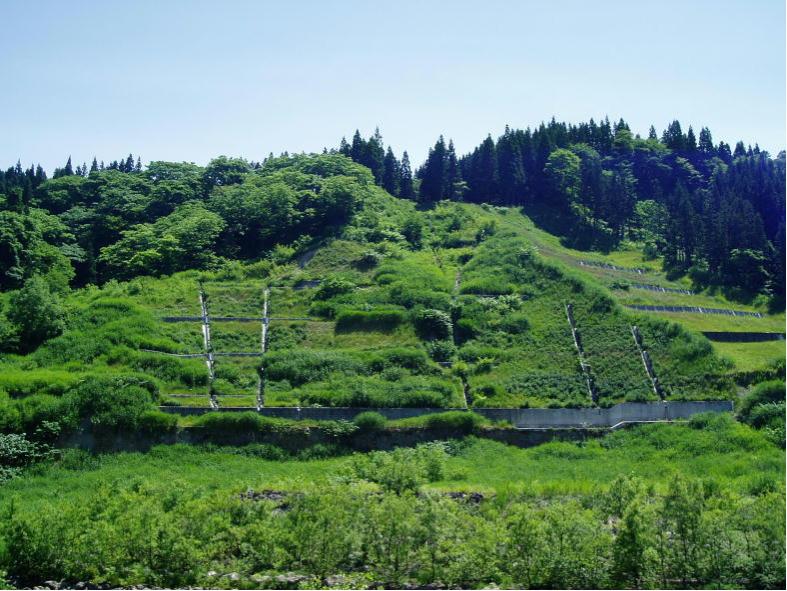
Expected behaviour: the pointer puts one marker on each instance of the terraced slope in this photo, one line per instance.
(627, 286)
(457, 306)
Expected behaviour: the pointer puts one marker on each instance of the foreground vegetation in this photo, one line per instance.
(690, 505)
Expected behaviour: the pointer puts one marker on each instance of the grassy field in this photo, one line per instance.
(731, 455)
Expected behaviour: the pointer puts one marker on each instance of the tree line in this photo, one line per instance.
(711, 210)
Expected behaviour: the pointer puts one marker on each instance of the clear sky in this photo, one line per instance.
(189, 80)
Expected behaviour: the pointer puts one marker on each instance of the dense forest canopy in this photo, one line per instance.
(712, 211)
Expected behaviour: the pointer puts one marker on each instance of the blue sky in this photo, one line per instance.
(178, 80)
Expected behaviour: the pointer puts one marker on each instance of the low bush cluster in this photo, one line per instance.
(372, 320)
(764, 408)
(625, 536)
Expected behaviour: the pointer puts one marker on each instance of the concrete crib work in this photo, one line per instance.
(520, 418)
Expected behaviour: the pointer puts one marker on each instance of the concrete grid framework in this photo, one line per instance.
(210, 355)
(521, 418)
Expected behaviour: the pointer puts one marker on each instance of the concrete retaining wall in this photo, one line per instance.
(299, 439)
(521, 418)
(743, 337)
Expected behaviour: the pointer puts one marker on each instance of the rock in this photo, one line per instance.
(290, 578)
(232, 576)
(211, 573)
(52, 584)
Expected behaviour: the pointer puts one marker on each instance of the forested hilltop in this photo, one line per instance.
(712, 211)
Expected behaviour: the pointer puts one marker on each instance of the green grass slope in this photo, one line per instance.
(458, 305)
(619, 283)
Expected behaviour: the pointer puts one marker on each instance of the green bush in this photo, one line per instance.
(110, 404)
(515, 323)
(373, 320)
(762, 393)
(405, 295)
(402, 470)
(441, 350)
(333, 286)
(19, 383)
(458, 421)
(368, 422)
(467, 328)
(301, 366)
(413, 359)
(36, 313)
(33, 411)
(16, 451)
(767, 414)
(433, 324)
(157, 423)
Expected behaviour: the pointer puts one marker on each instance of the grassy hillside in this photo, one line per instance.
(621, 285)
(458, 305)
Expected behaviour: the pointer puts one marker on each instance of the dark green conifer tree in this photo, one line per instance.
(691, 140)
(453, 176)
(406, 190)
(433, 174)
(705, 144)
(391, 173)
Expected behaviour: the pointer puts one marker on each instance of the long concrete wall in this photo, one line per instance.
(521, 418)
(743, 337)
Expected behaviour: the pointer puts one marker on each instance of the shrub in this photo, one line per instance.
(230, 423)
(300, 366)
(325, 310)
(433, 325)
(413, 359)
(369, 260)
(409, 297)
(333, 286)
(401, 470)
(36, 313)
(110, 404)
(264, 451)
(767, 414)
(456, 421)
(441, 350)
(16, 451)
(368, 422)
(412, 230)
(762, 393)
(373, 320)
(515, 323)
(467, 328)
(36, 410)
(20, 383)
(157, 423)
